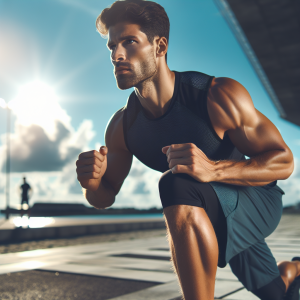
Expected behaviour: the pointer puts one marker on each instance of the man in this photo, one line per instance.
(25, 188)
(196, 129)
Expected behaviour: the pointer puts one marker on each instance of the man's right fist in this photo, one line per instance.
(91, 166)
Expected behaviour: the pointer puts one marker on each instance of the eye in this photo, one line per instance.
(130, 41)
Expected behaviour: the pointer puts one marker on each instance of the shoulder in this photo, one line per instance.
(196, 79)
(230, 103)
(114, 135)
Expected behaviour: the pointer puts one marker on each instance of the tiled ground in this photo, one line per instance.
(145, 259)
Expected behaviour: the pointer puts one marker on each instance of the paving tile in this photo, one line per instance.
(165, 291)
(171, 290)
(141, 275)
(241, 295)
(225, 274)
(142, 264)
(28, 265)
(224, 287)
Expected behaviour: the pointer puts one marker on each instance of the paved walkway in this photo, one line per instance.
(145, 260)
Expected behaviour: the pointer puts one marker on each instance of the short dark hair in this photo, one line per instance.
(151, 17)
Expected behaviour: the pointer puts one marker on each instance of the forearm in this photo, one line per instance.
(257, 171)
(103, 197)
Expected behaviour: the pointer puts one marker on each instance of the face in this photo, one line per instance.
(132, 55)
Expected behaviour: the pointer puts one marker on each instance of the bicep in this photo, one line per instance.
(232, 112)
(256, 136)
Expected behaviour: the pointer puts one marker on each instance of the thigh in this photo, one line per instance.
(255, 267)
(182, 189)
(275, 290)
(256, 216)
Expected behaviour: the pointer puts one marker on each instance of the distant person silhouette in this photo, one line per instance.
(25, 187)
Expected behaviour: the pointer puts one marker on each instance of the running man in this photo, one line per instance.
(196, 129)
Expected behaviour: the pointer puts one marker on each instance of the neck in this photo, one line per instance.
(155, 93)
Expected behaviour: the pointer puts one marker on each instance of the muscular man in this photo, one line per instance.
(196, 129)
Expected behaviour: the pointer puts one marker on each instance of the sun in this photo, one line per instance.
(37, 103)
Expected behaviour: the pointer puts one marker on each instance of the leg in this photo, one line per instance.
(289, 270)
(277, 288)
(183, 199)
(173, 256)
(256, 268)
(196, 250)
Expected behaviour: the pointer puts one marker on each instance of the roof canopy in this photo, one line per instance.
(269, 32)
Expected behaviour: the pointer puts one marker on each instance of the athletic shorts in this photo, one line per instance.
(242, 218)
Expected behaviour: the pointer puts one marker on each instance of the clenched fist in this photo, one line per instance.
(91, 166)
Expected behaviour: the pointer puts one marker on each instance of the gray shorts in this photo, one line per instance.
(252, 214)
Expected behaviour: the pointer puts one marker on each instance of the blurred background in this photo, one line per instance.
(56, 75)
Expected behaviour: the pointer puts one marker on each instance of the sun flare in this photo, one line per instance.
(37, 103)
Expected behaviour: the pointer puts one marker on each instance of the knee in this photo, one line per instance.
(175, 186)
(183, 218)
(166, 188)
(166, 180)
(170, 180)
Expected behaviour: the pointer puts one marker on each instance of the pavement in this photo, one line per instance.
(137, 269)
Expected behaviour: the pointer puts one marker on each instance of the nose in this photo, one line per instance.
(118, 54)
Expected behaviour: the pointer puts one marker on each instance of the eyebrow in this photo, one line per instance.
(126, 37)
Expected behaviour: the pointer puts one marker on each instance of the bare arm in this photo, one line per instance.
(102, 174)
(232, 112)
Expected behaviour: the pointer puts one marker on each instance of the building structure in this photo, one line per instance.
(269, 33)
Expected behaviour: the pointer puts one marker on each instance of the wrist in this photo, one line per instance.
(218, 171)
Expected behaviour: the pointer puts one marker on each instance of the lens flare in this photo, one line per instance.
(37, 103)
(34, 222)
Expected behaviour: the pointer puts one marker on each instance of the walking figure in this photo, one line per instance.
(25, 187)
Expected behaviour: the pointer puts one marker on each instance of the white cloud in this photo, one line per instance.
(140, 188)
(33, 150)
(46, 153)
(45, 147)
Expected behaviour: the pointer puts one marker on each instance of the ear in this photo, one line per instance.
(162, 46)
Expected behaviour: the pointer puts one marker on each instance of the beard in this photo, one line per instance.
(138, 74)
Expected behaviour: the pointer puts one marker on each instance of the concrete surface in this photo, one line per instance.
(141, 260)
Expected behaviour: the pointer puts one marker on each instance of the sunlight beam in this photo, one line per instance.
(37, 103)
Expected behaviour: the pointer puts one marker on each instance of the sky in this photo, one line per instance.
(56, 71)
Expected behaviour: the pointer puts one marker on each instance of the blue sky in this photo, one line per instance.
(56, 43)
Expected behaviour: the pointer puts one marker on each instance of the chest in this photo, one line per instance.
(146, 138)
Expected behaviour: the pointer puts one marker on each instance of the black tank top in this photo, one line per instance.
(185, 121)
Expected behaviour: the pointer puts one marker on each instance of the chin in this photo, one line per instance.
(124, 83)
(124, 86)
